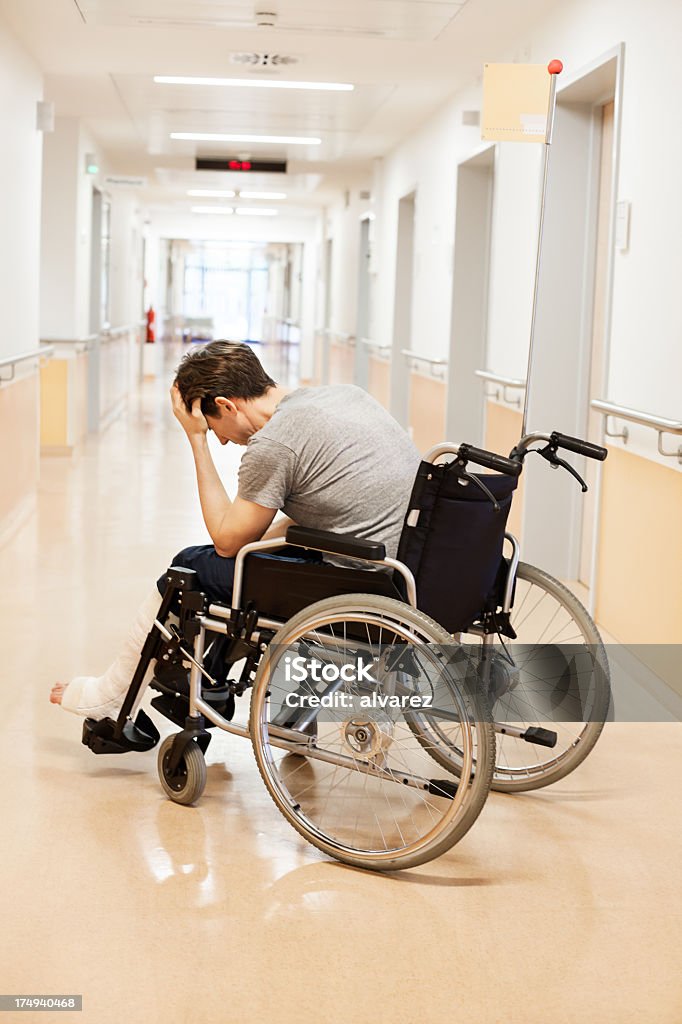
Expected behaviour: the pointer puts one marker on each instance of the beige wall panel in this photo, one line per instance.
(341, 363)
(427, 411)
(639, 588)
(54, 404)
(114, 360)
(502, 432)
(19, 422)
(379, 383)
(80, 398)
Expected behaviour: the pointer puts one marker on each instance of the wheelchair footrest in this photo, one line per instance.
(443, 787)
(100, 736)
(543, 737)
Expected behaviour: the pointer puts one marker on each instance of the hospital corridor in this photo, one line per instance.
(340, 502)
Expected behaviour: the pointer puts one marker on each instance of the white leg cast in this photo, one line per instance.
(102, 696)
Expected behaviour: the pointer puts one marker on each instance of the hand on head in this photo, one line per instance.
(192, 422)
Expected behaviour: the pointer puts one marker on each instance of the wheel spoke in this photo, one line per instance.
(361, 789)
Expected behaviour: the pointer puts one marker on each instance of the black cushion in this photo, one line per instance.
(336, 543)
(280, 589)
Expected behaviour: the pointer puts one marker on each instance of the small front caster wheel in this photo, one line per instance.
(187, 782)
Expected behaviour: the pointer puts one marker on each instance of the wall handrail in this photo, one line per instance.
(661, 424)
(111, 333)
(379, 346)
(83, 343)
(511, 383)
(284, 326)
(105, 334)
(434, 365)
(497, 378)
(342, 338)
(422, 359)
(13, 361)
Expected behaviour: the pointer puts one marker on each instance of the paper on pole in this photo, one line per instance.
(515, 102)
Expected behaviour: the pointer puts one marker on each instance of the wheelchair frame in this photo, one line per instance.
(250, 634)
(230, 620)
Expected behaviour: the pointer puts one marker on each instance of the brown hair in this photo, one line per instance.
(227, 369)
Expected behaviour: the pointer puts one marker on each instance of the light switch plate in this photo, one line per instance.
(622, 225)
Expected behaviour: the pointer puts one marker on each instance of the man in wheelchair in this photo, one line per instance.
(331, 458)
(498, 648)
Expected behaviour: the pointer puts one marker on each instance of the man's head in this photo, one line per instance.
(230, 382)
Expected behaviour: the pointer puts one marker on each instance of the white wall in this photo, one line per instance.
(20, 170)
(646, 354)
(66, 229)
(66, 237)
(342, 225)
(58, 230)
(126, 270)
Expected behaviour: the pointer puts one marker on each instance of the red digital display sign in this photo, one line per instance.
(262, 166)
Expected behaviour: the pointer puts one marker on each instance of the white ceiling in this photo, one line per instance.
(405, 58)
(380, 19)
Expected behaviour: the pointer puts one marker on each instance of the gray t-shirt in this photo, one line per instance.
(332, 458)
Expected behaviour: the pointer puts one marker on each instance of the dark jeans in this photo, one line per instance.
(215, 577)
(215, 574)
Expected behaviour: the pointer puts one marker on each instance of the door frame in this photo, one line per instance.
(549, 506)
(364, 294)
(403, 295)
(465, 413)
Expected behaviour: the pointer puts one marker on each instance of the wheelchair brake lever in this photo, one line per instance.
(549, 455)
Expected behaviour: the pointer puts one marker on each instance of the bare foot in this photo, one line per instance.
(57, 692)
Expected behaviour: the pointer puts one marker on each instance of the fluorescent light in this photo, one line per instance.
(212, 209)
(216, 193)
(284, 140)
(253, 83)
(255, 211)
(262, 195)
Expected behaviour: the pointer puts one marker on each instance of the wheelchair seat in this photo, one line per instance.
(280, 589)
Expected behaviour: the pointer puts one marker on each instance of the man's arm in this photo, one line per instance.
(278, 529)
(231, 524)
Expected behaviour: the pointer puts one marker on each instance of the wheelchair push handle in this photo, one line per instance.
(489, 460)
(577, 445)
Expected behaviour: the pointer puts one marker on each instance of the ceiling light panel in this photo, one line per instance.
(213, 193)
(220, 210)
(255, 211)
(262, 195)
(254, 83)
(273, 140)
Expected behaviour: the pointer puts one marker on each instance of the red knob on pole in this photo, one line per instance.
(555, 67)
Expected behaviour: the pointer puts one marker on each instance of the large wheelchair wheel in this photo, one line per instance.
(364, 790)
(535, 690)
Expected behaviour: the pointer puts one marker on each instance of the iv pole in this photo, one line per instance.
(555, 67)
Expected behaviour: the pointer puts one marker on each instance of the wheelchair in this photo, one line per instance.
(388, 696)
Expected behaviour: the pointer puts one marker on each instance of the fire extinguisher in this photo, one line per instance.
(151, 317)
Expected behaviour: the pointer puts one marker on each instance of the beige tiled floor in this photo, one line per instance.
(560, 906)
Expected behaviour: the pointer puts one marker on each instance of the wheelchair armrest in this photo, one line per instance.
(336, 543)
